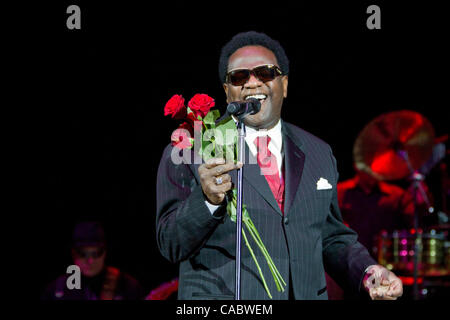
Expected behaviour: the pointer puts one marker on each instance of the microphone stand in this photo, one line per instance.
(241, 144)
(240, 110)
(416, 177)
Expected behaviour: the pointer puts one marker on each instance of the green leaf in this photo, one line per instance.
(211, 117)
(208, 145)
(207, 152)
(226, 124)
(226, 129)
(231, 209)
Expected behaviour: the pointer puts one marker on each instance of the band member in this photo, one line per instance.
(369, 206)
(98, 281)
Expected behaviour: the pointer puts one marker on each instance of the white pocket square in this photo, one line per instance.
(323, 184)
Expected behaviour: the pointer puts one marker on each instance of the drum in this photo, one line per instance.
(396, 252)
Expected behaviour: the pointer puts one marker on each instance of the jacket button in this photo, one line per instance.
(285, 220)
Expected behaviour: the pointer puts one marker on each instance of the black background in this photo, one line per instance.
(106, 86)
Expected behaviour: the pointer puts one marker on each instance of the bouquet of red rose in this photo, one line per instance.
(214, 139)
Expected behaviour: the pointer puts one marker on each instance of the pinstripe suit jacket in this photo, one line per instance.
(304, 242)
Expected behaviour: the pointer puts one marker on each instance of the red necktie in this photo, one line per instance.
(269, 168)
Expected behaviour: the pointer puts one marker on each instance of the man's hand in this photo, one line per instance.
(214, 171)
(382, 284)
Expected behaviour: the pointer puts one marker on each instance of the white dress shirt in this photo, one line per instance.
(275, 147)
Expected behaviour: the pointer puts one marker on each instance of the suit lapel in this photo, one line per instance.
(294, 160)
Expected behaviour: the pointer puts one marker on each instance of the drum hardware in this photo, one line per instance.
(396, 251)
(394, 146)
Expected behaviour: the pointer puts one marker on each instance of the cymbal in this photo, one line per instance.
(376, 149)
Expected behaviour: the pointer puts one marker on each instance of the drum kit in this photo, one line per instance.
(401, 145)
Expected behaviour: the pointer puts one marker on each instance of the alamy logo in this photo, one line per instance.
(74, 20)
(74, 280)
(374, 20)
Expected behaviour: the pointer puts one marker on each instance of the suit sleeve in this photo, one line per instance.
(345, 259)
(183, 221)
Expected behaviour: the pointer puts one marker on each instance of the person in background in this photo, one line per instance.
(98, 281)
(369, 205)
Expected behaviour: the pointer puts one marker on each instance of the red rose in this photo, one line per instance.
(200, 104)
(175, 107)
(180, 137)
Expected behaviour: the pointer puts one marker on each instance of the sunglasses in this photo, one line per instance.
(264, 73)
(84, 254)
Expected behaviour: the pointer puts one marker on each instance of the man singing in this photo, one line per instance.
(295, 209)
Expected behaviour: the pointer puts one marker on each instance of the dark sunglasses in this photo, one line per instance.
(94, 254)
(264, 73)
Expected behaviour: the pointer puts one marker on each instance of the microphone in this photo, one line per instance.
(243, 108)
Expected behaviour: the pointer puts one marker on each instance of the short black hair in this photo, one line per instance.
(88, 233)
(251, 38)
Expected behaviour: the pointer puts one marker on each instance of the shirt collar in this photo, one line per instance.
(274, 133)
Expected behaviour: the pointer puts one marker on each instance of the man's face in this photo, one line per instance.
(250, 57)
(90, 259)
